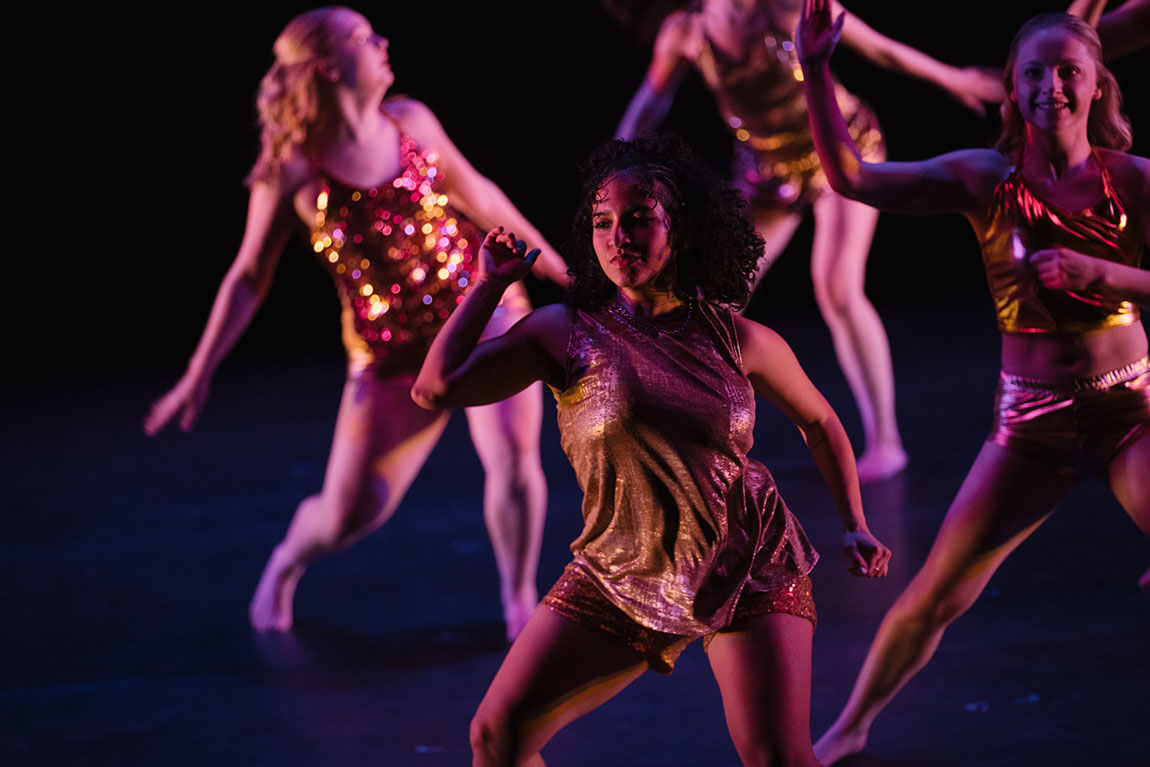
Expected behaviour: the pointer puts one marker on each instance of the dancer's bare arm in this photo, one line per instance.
(958, 182)
(973, 87)
(269, 223)
(461, 372)
(671, 60)
(472, 192)
(776, 375)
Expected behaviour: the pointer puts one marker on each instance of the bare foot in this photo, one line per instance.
(836, 744)
(271, 605)
(878, 463)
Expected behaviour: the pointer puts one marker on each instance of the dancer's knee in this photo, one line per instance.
(764, 755)
(495, 738)
(837, 299)
(514, 471)
(929, 611)
(329, 525)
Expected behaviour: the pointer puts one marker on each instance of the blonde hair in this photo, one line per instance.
(1106, 125)
(293, 97)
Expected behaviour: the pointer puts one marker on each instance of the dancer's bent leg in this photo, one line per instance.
(764, 674)
(843, 233)
(555, 672)
(1003, 499)
(381, 441)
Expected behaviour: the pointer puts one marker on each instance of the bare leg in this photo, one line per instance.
(776, 228)
(1131, 485)
(381, 441)
(843, 233)
(1004, 498)
(1131, 482)
(764, 674)
(506, 437)
(554, 673)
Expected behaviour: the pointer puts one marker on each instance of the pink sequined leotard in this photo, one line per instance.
(401, 257)
(657, 419)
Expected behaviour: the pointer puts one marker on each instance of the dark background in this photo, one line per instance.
(131, 237)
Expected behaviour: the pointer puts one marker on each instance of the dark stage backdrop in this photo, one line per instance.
(161, 132)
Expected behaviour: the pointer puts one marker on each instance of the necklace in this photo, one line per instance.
(647, 327)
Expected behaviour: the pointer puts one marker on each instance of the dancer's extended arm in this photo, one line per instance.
(472, 192)
(776, 375)
(269, 222)
(973, 87)
(955, 182)
(670, 63)
(461, 372)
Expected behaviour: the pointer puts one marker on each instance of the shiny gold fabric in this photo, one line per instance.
(576, 597)
(761, 99)
(657, 419)
(401, 257)
(1019, 223)
(1077, 425)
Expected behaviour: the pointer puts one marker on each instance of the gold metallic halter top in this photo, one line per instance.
(1020, 223)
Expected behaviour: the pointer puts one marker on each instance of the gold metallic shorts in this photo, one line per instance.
(1077, 425)
(576, 597)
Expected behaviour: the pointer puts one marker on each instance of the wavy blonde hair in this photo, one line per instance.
(294, 96)
(1106, 125)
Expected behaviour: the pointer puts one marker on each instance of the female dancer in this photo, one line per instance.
(384, 193)
(684, 535)
(744, 50)
(1061, 213)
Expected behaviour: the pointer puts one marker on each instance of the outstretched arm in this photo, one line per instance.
(1125, 29)
(973, 87)
(461, 372)
(955, 182)
(475, 194)
(240, 294)
(670, 63)
(1089, 10)
(776, 375)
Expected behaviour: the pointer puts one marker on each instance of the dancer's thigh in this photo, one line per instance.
(844, 230)
(764, 674)
(1004, 498)
(555, 672)
(382, 439)
(1130, 480)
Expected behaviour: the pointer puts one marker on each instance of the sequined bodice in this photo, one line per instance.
(762, 93)
(657, 420)
(400, 255)
(1020, 223)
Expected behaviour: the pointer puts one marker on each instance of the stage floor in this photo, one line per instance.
(127, 564)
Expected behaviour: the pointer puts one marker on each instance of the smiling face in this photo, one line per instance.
(631, 236)
(360, 55)
(1055, 81)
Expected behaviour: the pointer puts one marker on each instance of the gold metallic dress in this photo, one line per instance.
(679, 524)
(401, 257)
(1020, 223)
(761, 99)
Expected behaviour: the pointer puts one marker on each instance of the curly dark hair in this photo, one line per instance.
(715, 245)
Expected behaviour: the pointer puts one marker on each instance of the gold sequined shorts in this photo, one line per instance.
(783, 172)
(576, 597)
(1076, 425)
